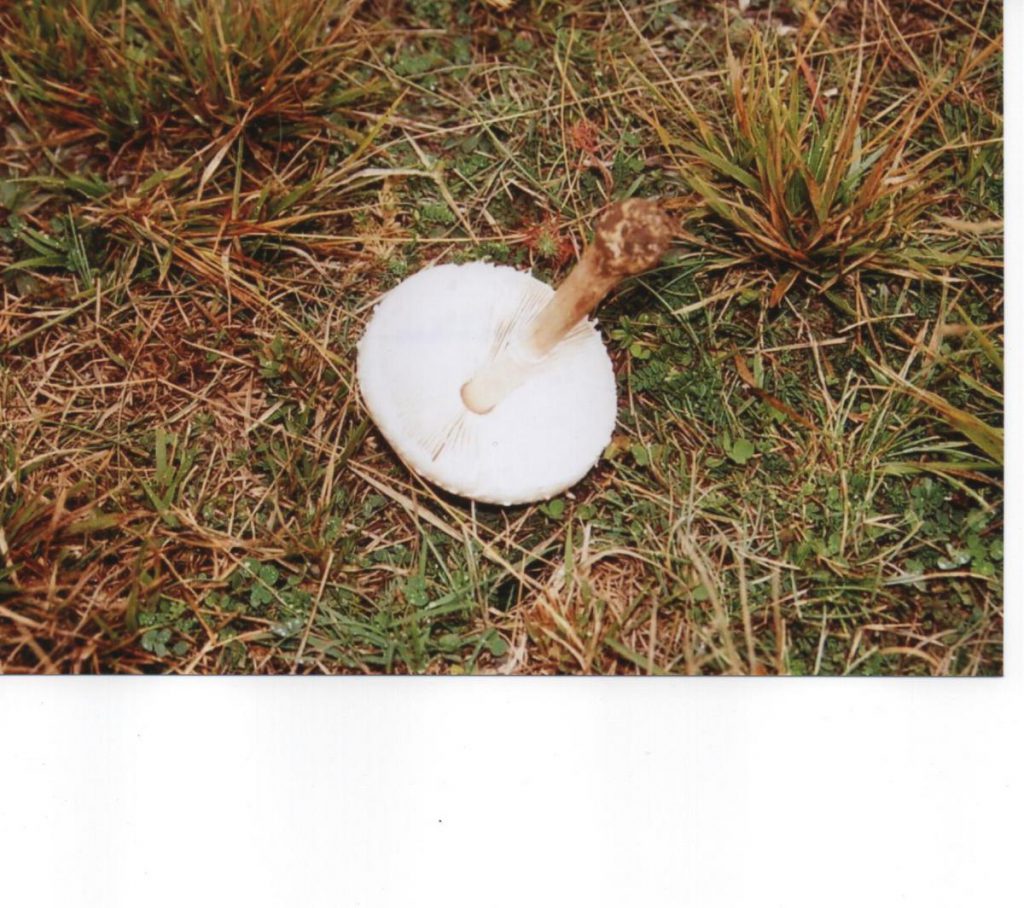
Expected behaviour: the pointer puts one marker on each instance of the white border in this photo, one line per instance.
(392, 792)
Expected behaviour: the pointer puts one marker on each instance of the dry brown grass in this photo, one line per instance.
(188, 480)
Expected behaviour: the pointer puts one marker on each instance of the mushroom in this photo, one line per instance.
(491, 384)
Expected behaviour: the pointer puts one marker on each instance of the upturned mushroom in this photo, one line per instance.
(491, 384)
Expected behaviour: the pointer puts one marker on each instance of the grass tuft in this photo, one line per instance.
(134, 70)
(824, 166)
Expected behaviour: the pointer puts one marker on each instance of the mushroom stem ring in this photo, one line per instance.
(493, 385)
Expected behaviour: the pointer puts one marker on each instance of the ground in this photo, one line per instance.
(201, 201)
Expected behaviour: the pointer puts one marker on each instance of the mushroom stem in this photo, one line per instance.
(630, 238)
(587, 284)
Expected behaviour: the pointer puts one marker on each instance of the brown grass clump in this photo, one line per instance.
(821, 170)
(158, 70)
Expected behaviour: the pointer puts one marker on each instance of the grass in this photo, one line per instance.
(200, 202)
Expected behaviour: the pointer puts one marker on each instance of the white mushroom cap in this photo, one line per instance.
(493, 385)
(431, 334)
